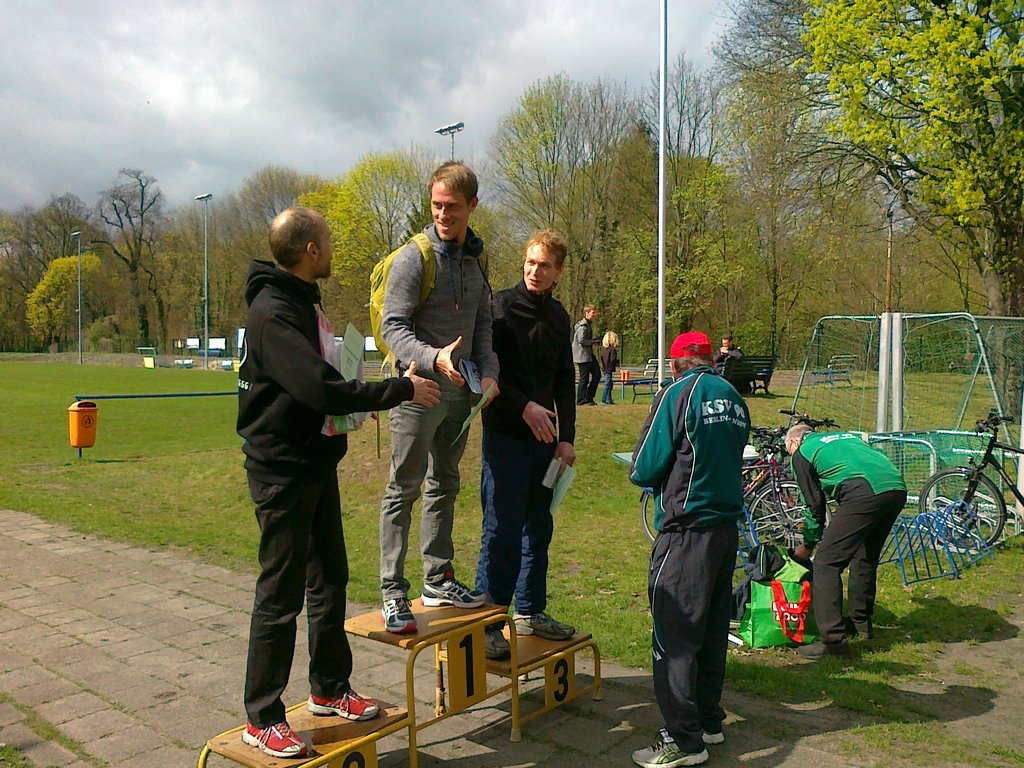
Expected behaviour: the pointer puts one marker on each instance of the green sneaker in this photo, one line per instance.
(664, 753)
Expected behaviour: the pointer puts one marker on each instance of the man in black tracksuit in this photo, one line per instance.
(870, 494)
(530, 422)
(691, 453)
(285, 390)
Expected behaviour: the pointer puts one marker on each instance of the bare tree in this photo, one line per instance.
(132, 212)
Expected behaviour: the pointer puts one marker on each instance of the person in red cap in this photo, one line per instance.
(690, 452)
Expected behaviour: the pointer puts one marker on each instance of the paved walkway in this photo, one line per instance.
(137, 657)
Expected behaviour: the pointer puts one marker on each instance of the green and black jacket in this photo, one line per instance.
(839, 465)
(691, 452)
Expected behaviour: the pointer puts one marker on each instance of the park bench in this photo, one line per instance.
(648, 382)
(749, 373)
(839, 369)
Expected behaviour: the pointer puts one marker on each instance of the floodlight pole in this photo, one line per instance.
(78, 235)
(205, 199)
(888, 263)
(450, 130)
(662, 113)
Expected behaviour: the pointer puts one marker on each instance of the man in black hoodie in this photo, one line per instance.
(285, 391)
(531, 421)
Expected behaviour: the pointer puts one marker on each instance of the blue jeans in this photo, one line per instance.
(606, 396)
(517, 523)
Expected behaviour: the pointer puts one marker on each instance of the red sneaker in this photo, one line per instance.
(349, 705)
(278, 740)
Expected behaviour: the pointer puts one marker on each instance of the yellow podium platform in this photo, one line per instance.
(558, 660)
(341, 743)
(457, 636)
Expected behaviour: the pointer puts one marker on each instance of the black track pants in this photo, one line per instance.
(854, 537)
(690, 589)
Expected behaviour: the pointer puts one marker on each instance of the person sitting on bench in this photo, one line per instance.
(727, 350)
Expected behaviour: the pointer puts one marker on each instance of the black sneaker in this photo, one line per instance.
(398, 616)
(819, 649)
(858, 628)
(495, 645)
(451, 592)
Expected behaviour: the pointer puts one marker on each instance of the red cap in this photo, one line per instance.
(690, 344)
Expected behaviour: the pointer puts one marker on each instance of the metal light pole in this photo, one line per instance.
(888, 263)
(662, 119)
(78, 234)
(205, 199)
(450, 130)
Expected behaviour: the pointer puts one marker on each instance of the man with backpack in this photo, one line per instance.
(446, 331)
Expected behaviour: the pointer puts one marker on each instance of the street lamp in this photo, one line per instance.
(450, 130)
(77, 234)
(205, 199)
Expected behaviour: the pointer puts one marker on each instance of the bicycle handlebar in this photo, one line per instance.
(803, 418)
(991, 422)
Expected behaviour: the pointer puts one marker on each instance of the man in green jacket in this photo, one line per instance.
(870, 494)
(691, 453)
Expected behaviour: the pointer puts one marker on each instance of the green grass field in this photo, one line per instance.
(168, 473)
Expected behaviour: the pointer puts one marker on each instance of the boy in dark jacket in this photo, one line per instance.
(532, 421)
(691, 453)
(285, 391)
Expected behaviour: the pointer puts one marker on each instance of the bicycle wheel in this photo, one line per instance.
(647, 514)
(984, 514)
(777, 514)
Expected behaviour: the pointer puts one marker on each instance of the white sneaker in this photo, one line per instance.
(452, 592)
(664, 753)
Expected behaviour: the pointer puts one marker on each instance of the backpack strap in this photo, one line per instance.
(429, 265)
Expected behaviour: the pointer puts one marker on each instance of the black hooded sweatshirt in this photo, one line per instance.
(285, 387)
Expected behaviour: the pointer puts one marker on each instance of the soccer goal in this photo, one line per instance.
(916, 383)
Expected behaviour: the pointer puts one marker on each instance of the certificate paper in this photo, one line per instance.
(474, 411)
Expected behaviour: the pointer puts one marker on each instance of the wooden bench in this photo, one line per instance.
(649, 381)
(749, 373)
(839, 369)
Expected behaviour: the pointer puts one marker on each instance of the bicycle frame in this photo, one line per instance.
(989, 460)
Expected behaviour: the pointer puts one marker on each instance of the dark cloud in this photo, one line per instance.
(201, 95)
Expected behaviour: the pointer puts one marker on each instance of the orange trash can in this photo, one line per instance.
(82, 418)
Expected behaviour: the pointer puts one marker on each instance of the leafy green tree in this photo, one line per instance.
(930, 93)
(371, 210)
(553, 158)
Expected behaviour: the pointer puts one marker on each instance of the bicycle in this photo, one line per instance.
(777, 510)
(773, 509)
(770, 495)
(968, 493)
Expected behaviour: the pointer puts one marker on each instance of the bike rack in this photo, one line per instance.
(933, 545)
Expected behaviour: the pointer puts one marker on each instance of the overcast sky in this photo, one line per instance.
(202, 94)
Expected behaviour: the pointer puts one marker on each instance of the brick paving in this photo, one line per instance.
(138, 656)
